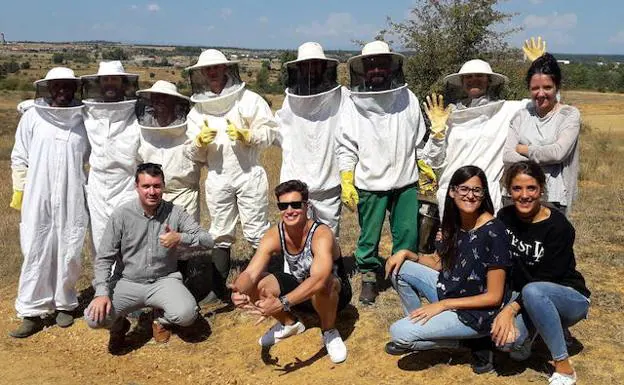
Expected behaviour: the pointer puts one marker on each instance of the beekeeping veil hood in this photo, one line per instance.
(162, 107)
(376, 69)
(215, 81)
(311, 73)
(110, 85)
(57, 97)
(454, 88)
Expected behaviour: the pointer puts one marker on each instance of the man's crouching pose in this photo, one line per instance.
(313, 274)
(141, 238)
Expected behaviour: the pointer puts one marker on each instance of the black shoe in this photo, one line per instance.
(482, 353)
(118, 336)
(369, 293)
(482, 361)
(395, 349)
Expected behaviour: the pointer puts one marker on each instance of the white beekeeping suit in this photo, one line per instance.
(475, 134)
(162, 114)
(110, 120)
(232, 125)
(48, 162)
(308, 121)
(25, 105)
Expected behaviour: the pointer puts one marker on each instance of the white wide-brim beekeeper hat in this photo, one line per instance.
(373, 48)
(310, 51)
(162, 87)
(476, 66)
(211, 57)
(111, 68)
(57, 73)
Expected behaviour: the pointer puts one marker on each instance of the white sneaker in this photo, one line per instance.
(278, 332)
(336, 349)
(562, 379)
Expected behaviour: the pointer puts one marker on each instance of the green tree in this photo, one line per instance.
(116, 53)
(262, 79)
(58, 58)
(285, 57)
(443, 34)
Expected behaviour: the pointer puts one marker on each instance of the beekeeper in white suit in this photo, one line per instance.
(307, 122)
(48, 159)
(162, 115)
(110, 120)
(471, 131)
(232, 125)
(380, 129)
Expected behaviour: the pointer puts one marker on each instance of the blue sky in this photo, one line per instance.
(569, 26)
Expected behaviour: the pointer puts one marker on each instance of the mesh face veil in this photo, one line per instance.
(110, 88)
(59, 92)
(381, 72)
(159, 110)
(311, 77)
(214, 81)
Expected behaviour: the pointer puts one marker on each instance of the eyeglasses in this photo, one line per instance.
(295, 205)
(463, 191)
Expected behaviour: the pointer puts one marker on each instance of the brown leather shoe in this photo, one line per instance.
(160, 332)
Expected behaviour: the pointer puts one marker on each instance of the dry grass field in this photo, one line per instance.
(224, 349)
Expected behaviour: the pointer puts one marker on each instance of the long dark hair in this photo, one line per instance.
(451, 220)
(545, 65)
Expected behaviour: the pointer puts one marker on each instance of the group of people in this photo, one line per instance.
(499, 276)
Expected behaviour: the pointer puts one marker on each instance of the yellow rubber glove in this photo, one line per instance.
(437, 114)
(533, 50)
(427, 179)
(206, 136)
(16, 200)
(349, 194)
(235, 133)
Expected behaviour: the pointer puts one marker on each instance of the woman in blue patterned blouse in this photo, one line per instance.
(463, 281)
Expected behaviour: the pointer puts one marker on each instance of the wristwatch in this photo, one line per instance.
(285, 303)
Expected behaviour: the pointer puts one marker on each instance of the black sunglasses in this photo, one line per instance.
(295, 205)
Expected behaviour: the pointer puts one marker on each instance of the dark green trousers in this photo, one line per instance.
(402, 206)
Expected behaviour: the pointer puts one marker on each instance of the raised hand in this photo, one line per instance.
(532, 49)
(206, 136)
(437, 114)
(235, 133)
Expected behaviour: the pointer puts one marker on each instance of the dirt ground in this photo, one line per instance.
(223, 348)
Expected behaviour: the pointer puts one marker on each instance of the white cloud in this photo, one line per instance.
(337, 24)
(134, 6)
(226, 12)
(618, 38)
(536, 1)
(263, 19)
(153, 7)
(555, 21)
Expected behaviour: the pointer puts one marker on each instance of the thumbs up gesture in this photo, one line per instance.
(169, 238)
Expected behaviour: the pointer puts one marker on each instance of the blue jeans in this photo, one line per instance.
(548, 308)
(444, 330)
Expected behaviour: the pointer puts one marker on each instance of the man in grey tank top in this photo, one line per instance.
(313, 275)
